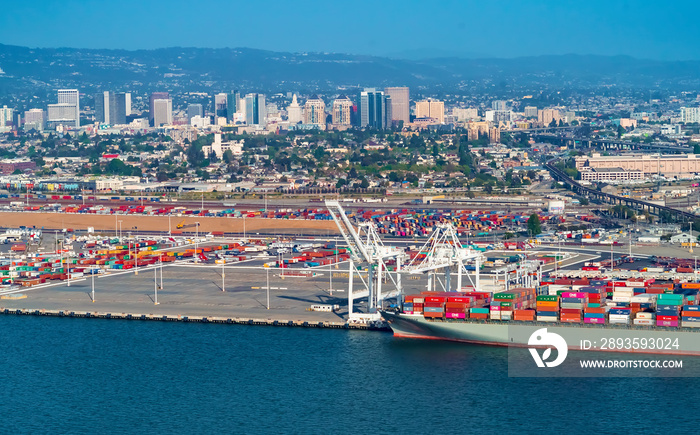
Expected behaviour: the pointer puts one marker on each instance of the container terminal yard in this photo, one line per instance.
(325, 271)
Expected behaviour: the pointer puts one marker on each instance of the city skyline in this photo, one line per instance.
(463, 29)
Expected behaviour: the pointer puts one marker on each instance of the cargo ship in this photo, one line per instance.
(652, 318)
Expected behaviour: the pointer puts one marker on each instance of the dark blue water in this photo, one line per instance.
(82, 375)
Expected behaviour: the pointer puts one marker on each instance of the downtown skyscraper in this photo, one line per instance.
(255, 110)
(67, 110)
(400, 104)
(373, 109)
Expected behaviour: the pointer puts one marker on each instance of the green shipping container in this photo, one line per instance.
(500, 296)
(548, 298)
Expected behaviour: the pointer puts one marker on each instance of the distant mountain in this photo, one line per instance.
(25, 70)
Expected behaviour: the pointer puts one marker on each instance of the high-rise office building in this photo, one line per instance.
(498, 116)
(400, 104)
(151, 108)
(690, 114)
(34, 119)
(122, 106)
(431, 109)
(498, 105)
(342, 111)
(315, 111)
(372, 109)
(463, 114)
(67, 110)
(255, 113)
(294, 111)
(220, 106)
(102, 107)
(6, 115)
(546, 116)
(111, 108)
(232, 107)
(530, 111)
(162, 112)
(194, 110)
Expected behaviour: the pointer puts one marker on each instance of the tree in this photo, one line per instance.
(228, 156)
(534, 226)
(620, 131)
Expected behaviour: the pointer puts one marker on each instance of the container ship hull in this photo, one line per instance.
(517, 333)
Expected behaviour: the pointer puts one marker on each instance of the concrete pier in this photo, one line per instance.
(194, 319)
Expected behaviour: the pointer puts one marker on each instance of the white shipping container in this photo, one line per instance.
(642, 315)
(619, 321)
(495, 315)
(644, 298)
(644, 322)
(690, 324)
(621, 298)
(553, 289)
(547, 319)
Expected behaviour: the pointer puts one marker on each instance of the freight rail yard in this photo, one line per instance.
(333, 279)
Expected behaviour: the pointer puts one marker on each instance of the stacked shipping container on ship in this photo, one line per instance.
(690, 316)
(668, 307)
(505, 303)
(572, 305)
(547, 308)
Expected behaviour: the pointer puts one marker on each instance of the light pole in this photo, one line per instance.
(120, 230)
(155, 297)
(695, 270)
(223, 275)
(136, 257)
(155, 285)
(196, 239)
(243, 227)
(268, 287)
(93, 285)
(68, 268)
(691, 238)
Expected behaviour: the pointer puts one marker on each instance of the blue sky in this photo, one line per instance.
(485, 28)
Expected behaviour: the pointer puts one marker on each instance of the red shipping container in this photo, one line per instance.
(597, 310)
(441, 299)
(460, 299)
(575, 311)
(667, 318)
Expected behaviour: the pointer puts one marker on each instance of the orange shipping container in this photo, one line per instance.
(691, 285)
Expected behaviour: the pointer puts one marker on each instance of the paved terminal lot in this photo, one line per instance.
(189, 291)
(196, 290)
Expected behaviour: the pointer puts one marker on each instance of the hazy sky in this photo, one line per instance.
(641, 28)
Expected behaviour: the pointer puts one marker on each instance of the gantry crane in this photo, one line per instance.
(367, 251)
(444, 250)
